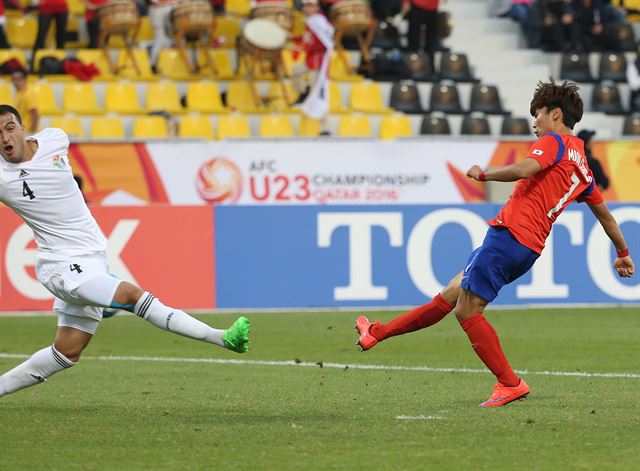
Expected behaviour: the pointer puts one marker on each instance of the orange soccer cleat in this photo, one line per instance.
(502, 394)
(365, 340)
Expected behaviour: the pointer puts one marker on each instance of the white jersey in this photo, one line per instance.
(44, 194)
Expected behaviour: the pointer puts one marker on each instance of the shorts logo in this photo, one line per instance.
(537, 152)
(75, 267)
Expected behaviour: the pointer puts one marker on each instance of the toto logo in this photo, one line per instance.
(219, 181)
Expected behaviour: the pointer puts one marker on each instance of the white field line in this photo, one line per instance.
(418, 417)
(341, 366)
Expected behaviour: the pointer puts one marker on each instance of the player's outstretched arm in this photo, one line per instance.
(623, 264)
(508, 173)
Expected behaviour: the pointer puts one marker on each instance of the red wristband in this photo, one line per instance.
(622, 253)
(482, 177)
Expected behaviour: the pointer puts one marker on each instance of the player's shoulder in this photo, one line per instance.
(54, 139)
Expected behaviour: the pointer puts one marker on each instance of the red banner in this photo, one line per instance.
(166, 250)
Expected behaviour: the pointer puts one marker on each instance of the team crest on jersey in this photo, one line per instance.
(537, 152)
(58, 161)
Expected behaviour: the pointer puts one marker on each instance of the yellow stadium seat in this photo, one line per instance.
(195, 126)
(121, 97)
(238, 7)
(46, 98)
(354, 125)
(18, 54)
(309, 127)
(275, 125)
(59, 54)
(106, 128)
(76, 7)
(240, 97)
(163, 96)
(172, 66)
(276, 99)
(150, 127)
(221, 61)
(21, 31)
(338, 69)
(204, 97)
(366, 97)
(80, 98)
(233, 126)
(289, 61)
(298, 24)
(126, 67)
(97, 58)
(145, 33)
(226, 31)
(6, 94)
(335, 99)
(394, 126)
(71, 125)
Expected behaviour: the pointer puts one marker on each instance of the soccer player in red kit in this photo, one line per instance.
(554, 174)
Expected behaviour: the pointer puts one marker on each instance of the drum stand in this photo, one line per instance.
(203, 40)
(253, 59)
(103, 41)
(364, 38)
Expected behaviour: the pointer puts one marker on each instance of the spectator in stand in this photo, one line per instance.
(602, 181)
(519, 11)
(384, 10)
(633, 79)
(93, 23)
(218, 6)
(419, 13)
(597, 22)
(4, 44)
(49, 10)
(160, 19)
(26, 101)
(560, 30)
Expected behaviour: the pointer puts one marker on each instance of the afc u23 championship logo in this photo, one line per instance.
(219, 181)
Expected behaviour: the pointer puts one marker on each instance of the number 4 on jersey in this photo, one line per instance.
(26, 191)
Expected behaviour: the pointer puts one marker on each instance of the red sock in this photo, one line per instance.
(485, 342)
(416, 319)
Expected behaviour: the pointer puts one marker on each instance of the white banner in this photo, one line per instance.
(316, 172)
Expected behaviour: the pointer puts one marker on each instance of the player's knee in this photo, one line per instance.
(71, 353)
(452, 291)
(127, 294)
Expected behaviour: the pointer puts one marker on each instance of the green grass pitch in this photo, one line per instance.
(131, 413)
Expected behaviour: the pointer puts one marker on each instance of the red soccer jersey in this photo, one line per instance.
(537, 201)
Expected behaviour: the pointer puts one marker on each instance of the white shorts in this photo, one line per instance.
(82, 286)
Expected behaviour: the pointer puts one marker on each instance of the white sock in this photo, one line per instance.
(174, 320)
(35, 370)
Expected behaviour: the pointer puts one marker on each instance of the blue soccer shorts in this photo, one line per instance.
(500, 260)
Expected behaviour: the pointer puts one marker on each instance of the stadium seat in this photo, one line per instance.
(624, 32)
(394, 126)
(339, 71)
(204, 97)
(145, 33)
(163, 96)
(515, 127)
(275, 125)
(354, 125)
(150, 127)
(233, 126)
(455, 66)
(97, 58)
(71, 125)
(309, 127)
(574, 66)
(221, 61)
(405, 97)
(335, 99)
(613, 66)
(195, 126)
(126, 68)
(366, 97)
(172, 66)
(122, 97)
(605, 98)
(239, 8)
(80, 98)
(6, 94)
(631, 126)
(226, 31)
(18, 54)
(46, 98)
(290, 62)
(240, 97)
(276, 100)
(59, 54)
(106, 128)
(475, 124)
(434, 124)
(21, 31)
(485, 98)
(420, 67)
(445, 98)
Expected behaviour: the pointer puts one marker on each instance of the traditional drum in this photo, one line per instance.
(278, 12)
(353, 16)
(263, 39)
(192, 18)
(118, 17)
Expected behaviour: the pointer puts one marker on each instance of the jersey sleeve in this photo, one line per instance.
(591, 195)
(545, 150)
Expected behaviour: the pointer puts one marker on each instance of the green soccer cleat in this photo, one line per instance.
(236, 337)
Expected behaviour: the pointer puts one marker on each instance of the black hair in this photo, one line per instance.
(565, 97)
(8, 109)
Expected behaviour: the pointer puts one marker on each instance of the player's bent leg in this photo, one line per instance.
(369, 334)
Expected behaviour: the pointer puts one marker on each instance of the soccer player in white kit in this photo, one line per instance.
(37, 183)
